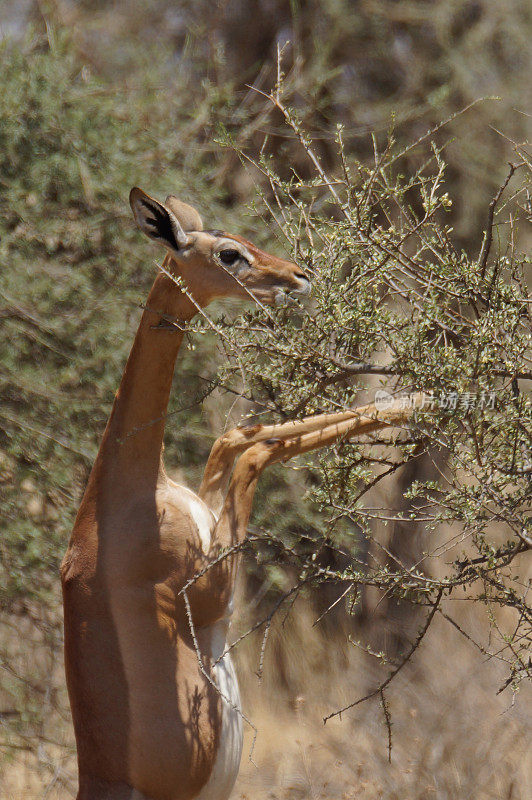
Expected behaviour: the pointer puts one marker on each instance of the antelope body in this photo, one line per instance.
(156, 714)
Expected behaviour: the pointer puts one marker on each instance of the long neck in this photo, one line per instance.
(130, 452)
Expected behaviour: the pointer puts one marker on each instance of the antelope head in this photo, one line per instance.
(214, 264)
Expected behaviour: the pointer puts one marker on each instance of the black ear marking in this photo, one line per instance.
(160, 223)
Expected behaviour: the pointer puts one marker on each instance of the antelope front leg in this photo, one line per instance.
(219, 466)
(304, 436)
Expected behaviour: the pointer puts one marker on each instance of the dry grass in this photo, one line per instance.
(452, 736)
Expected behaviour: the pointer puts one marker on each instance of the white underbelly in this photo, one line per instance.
(225, 770)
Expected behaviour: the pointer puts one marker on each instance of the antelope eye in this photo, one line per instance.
(229, 256)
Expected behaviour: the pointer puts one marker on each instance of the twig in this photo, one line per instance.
(206, 675)
(388, 722)
(488, 236)
(391, 676)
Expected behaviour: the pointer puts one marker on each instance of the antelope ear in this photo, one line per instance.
(188, 217)
(157, 221)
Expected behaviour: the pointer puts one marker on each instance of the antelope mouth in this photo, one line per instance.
(284, 295)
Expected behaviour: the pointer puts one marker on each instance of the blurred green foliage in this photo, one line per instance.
(74, 273)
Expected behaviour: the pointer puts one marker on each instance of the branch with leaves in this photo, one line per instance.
(395, 300)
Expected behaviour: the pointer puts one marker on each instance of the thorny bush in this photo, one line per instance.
(395, 302)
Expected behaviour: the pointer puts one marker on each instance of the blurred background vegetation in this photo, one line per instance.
(99, 96)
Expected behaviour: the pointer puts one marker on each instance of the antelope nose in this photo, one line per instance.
(303, 283)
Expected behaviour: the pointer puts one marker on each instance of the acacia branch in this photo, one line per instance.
(488, 236)
(365, 368)
(380, 689)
